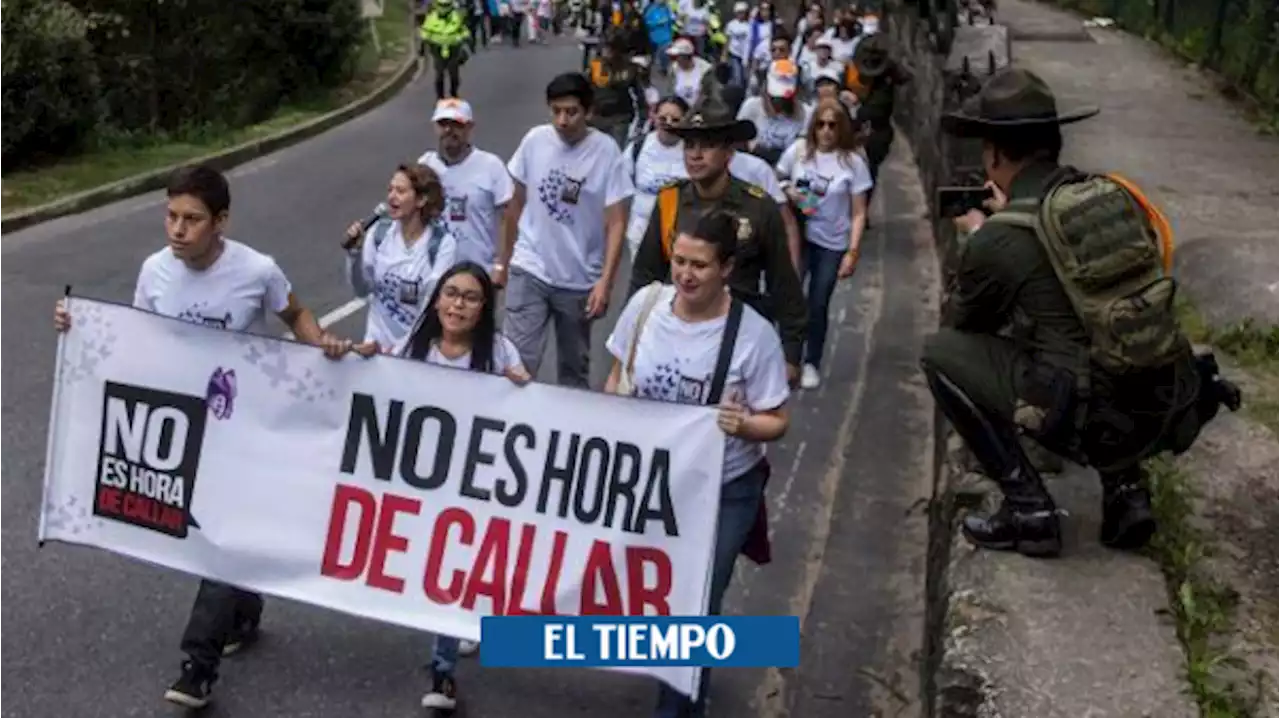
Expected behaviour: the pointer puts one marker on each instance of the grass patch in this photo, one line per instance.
(1203, 608)
(1252, 347)
(122, 158)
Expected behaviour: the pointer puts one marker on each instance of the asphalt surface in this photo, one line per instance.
(88, 633)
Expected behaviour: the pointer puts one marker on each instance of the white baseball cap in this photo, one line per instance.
(740, 7)
(783, 79)
(683, 46)
(453, 110)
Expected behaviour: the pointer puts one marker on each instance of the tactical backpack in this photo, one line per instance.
(1112, 251)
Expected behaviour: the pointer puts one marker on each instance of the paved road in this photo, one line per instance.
(91, 634)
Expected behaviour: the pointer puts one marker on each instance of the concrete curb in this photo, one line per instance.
(224, 160)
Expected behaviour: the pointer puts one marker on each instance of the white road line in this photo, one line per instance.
(338, 314)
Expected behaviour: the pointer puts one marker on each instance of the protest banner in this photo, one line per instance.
(409, 493)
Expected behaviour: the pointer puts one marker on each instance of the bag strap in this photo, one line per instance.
(434, 242)
(668, 202)
(727, 342)
(380, 232)
(636, 147)
(654, 290)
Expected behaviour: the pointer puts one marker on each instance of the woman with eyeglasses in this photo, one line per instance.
(827, 178)
(654, 161)
(691, 342)
(458, 329)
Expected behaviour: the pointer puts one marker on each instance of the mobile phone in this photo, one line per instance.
(956, 201)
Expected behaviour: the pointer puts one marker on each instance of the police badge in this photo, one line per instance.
(744, 229)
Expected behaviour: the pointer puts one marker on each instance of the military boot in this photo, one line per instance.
(1026, 522)
(1128, 521)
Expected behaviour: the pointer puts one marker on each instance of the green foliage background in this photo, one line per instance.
(79, 72)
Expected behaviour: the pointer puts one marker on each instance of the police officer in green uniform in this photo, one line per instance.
(1024, 350)
(710, 132)
(444, 32)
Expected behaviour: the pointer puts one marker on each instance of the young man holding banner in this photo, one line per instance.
(205, 278)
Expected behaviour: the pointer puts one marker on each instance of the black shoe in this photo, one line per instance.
(194, 687)
(242, 636)
(443, 696)
(1127, 520)
(1031, 531)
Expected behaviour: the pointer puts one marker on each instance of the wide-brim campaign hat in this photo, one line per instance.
(871, 58)
(1011, 98)
(714, 118)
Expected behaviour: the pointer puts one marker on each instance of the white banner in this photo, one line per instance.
(409, 493)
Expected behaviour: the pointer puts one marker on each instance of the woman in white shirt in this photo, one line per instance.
(829, 181)
(397, 261)
(654, 161)
(458, 329)
(690, 73)
(779, 116)
(690, 342)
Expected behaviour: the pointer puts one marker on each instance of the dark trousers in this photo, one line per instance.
(217, 610)
(515, 23)
(739, 503)
(877, 146)
(447, 67)
(821, 269)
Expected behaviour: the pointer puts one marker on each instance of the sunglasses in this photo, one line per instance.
(827, 124)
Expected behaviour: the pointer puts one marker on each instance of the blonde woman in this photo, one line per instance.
(828, 180)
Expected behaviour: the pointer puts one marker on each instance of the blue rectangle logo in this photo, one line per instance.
(640, 641)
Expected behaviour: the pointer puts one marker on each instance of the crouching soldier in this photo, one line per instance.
(1096, 367)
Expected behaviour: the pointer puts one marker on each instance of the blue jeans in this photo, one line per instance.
(739, 503)
(737, 71)
(444, 656)
(822, 267)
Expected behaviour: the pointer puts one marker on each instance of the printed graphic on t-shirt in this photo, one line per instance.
(668, 383)
(456, 208)
(558, 192)
(779, 133)
(398, 296)
(200, 313)
(819, 184)
(652, 184)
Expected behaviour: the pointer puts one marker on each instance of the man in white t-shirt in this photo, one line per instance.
(205, 278)
(477, 187)
(564, 231)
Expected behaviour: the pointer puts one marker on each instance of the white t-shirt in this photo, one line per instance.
(236, 292)
(774, 131)
(675, 361)
(738, 38)
(561, 237)
(841, 49)
(749, 168)
(696, 21)
(398, 280)
(474, 190)
(688, 83)
(505, 355)
(836, 181)
(659, 165)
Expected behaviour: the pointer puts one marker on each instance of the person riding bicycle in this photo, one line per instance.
(444, 33)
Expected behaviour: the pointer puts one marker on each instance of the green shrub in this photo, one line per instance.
(49, 85)
(200, 62)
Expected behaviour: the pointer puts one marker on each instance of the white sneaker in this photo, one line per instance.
(809, 377)
(468, 648)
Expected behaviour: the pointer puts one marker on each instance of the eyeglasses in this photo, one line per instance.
(453, 294)
(827, 124)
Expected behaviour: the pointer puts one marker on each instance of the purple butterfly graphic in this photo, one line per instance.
(221, 394)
